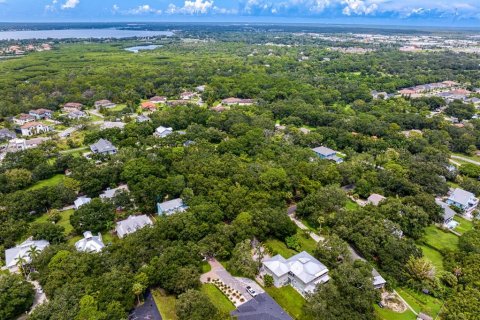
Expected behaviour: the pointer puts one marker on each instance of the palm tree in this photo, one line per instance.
(33, 253)
(21, 262)
(137, 290)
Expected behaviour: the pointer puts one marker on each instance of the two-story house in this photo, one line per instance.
(328, 154)
(464, 200)
(33, 128)
(170, 207)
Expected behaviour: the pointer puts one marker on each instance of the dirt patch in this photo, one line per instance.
(392, 302)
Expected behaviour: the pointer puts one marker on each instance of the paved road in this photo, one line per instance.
(147, 311)
(465, 159)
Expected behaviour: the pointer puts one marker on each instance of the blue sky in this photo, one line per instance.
(415, 12)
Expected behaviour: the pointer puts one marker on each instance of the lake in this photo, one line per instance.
(80, 34)
(141, 48)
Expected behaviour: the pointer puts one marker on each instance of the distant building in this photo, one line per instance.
(103, 147)
(237, 101)
(132, 224)
(23, 118)
(149, 106)
(110, 193)
(181, 102)
(75, 115)
(12, 255)
(375, 199)
(90, 243)
(142, 118)
(33, 128)
(112, 125)
(170, 207)
(162, 132)
(261, 307)
(41, 113)
(158, 99)
(6, 134)
(72, 106)
(378, 281)
(302, 271)
(187, 95)
(447, 213)
(464, 200)
(107, 104)
(328, 154)
(81, 201)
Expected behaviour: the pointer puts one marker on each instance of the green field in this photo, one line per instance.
(218, 299)
(279, 247)
(421, 302)
(53, 181)
(289, 299)
(440, 239)
(351, 205)
(434, 256)
(64, 220)
(386, 314)
(165, 303)
(205, 267)
(464, 226)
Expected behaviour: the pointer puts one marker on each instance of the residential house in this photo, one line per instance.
(149, 106)
(107, 104)
(170, 207)
(261, 307)
(379, 95)
(23, 250)
(90, 243)
(464, 200)
(132, 224)
(302, 271)
(75, 115)
(142, 118)
(110, 193)
(72, 107)
(81, 201)
(103, 147)
(33, 128)
(15, 145)
(328, 154)
(41, 113)
(447, 213)
(378, 281)
(375, 199)
(6, 134)
(182, 102)
(23, 118)
(112, 125)
(162, 132)
(237, 101)
(158, 99)
(187, 95)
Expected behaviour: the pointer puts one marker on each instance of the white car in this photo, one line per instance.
(251, 291)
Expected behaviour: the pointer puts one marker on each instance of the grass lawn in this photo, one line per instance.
(440, 239)
(218, 299)
(64, 220)
(118, 107)
(165, 303)
(474, 158)
(53, 181)
(464, 226)
(205, 267)
(421, 302)
(434, 256)
(386, 314)
(279, 247)
(289, 299)
(351, 205)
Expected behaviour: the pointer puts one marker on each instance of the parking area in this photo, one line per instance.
(147, 311)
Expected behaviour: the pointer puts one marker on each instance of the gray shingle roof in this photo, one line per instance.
(461, 196)
(132, 224)
(448, 212)
(324, 151)
(172, 206)
(261, 307)
(103, 146)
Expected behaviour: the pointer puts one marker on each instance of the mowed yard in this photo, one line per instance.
(289, 299)
(53, 181)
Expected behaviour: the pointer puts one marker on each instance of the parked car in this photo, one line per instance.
(251, 291)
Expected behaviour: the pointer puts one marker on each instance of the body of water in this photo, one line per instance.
(141, 48)
(80, 34)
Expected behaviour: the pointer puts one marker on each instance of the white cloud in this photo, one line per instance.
(193, 7)
(70, 4)
(115, 8)
(142, 9)
(359, 7)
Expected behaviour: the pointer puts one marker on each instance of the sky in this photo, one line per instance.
(449, 13)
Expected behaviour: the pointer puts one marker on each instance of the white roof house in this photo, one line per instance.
(302, 271)
(132, 224)
(463, 199)
(81, 201)
(170, 207)
(447, 213)
(110, 193)
(378, 281)
(162, 132)
(22, 251)
(90, 243)
(327, 153)
(375, 199)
